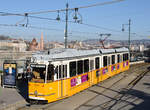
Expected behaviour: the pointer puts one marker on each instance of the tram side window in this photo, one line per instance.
(125, 57)
(121, 58)
(60, 71)
(56, 72)
(113, 59)
(97, 63)
(118, 58)
(80, 67)
(91, 64)
(86, 65)
(104, 61)
(108, 60)
(64, 71)
(72, 67)
(50, 74)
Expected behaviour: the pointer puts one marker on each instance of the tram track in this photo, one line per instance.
(134, 70)
(119, 97)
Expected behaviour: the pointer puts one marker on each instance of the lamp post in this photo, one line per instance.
(77, 17)
(66, 26)
(129, 24)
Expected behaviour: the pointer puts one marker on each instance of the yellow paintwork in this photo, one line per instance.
(125, 65)
(60, 89)
(118, 68)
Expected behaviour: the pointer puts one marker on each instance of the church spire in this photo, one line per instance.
(42, 42)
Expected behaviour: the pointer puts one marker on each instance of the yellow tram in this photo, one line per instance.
(61, 73)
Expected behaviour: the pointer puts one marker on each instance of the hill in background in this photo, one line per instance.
(2, 37)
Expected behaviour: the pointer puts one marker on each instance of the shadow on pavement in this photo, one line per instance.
(22, 86)
(129, 98)
(145, 103)
(147, 84)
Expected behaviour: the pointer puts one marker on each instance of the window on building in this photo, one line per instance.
(113, 59)
(80, 67)
(118, 58)
(104, 61)
(97, 65)
(72, 67)
(86, 65)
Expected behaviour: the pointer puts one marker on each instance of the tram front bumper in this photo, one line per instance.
(36, 98)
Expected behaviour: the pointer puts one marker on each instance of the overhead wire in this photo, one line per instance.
(89, 25)
(40, 12)
(37, 17)
(43, 28)
(13, 14)
(17, 23)
(88, 6)
(99, 4)
(99, 27)
(43, 18)
(10, 14)
(30, 26)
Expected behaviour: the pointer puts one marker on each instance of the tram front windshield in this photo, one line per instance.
(38, 73)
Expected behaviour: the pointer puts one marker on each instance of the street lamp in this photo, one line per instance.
(129, 24)
(75, 18)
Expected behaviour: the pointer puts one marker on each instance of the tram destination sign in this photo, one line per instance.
(38, 66)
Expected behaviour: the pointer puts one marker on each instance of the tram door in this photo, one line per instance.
(63, 80)
(91, 74)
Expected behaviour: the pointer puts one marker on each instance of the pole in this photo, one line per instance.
(129, 37)
(66, 27)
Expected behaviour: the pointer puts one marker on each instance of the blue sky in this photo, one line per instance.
(110, 16)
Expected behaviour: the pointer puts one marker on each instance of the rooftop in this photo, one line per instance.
(61, 53)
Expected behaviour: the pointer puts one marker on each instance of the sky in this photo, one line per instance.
(105, 18)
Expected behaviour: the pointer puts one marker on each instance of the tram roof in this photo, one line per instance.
(60, 54)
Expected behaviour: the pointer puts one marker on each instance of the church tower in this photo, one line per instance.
(42, 42)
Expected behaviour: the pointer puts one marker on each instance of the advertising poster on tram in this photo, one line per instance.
(10, 71)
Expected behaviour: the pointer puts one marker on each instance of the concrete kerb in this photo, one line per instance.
(13, 106)
(137, 62)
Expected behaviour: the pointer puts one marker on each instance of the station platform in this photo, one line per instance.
(12, 98)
